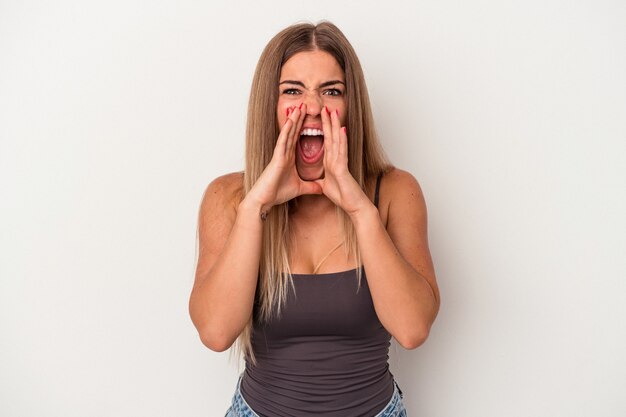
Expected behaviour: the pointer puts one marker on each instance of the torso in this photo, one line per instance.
(294, 349)
(315, 228)
(326, 354)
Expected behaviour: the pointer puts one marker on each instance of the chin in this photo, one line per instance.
(311, 174)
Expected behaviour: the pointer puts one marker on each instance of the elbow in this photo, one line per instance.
(214, 336)
(212, 333)
(416, 335)
(215, 341)
(414, 338)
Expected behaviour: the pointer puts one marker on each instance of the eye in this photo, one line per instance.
(291, 91)
(332, 92)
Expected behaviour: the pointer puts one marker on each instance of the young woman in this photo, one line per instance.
(318, 253)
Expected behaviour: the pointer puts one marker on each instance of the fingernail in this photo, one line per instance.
(300, 106)
(344, 129)
(337, 112)
(327, 112)
(287, 112)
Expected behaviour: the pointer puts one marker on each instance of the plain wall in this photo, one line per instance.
(114, 117)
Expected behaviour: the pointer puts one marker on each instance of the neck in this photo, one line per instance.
(313, 206)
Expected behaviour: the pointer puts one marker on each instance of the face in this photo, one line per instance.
(315, 79)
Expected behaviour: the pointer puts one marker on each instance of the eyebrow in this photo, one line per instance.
(322, 85)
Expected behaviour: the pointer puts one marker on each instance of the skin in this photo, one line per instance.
(392, 239)
(316, 81)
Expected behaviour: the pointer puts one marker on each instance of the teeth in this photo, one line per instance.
(311, 132)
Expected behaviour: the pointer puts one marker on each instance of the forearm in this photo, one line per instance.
(221, 302)
(404, 301)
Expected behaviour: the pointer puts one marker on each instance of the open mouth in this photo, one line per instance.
(311, 145)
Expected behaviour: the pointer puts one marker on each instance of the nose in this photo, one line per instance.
(313, 101)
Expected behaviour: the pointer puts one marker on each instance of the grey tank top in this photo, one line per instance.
(326, 355)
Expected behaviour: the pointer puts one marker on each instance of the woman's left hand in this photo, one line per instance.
(338, 184)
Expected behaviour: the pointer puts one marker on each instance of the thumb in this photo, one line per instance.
(311, 187)
(320, 182)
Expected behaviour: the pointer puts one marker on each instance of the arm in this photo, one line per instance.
(228, 262)
(397, 260)
(230, 235)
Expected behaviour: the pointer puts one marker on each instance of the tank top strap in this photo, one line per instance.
(377, 192)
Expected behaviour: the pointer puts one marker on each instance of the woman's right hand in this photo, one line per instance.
(280, 181)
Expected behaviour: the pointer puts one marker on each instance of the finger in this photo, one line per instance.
(281, 142)
(301, 119)
(289, 109)
(294, 116)
(343, 143)
(322, 183)
(310, 187)
(336, 127)
(298, 128)
(326, 128)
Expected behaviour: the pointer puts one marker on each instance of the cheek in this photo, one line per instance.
(281, 112)
(334, 104)
(343, 115)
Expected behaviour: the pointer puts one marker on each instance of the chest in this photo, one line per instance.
(318, 247)
(332, 305)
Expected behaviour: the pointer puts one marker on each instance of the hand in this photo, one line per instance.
(338, 183)
(280, 181)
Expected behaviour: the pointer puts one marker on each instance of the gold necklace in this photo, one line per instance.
(326, 257)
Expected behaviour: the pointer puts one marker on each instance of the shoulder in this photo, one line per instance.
(399, 187)
(400, 196)
(396, 180)
(226, 189)
(218, 211)
(220, 200)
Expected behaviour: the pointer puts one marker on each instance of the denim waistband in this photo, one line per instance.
(240, 408)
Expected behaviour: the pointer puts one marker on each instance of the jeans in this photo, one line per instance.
(394, 408)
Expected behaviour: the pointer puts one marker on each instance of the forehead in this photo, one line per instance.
(312, 66)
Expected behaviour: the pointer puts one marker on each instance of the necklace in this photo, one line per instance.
(326, 257)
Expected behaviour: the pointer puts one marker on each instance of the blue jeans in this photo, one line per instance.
(394, 408)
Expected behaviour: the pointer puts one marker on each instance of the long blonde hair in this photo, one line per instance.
(366, 158)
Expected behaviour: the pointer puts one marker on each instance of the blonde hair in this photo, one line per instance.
(366, 158)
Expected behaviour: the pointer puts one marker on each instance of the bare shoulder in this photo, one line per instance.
(401, 194)
(224, 192)
(218, 209)
(398, 181)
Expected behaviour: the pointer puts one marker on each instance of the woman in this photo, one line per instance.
(317, 254)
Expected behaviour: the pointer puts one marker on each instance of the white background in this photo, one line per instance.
(114, 116)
